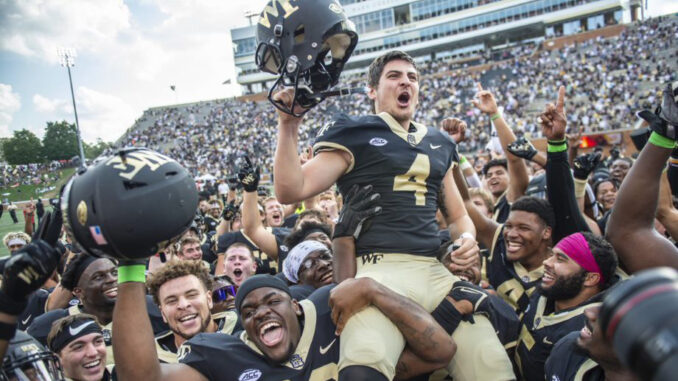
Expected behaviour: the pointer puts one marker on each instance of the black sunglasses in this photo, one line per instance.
(222, 294)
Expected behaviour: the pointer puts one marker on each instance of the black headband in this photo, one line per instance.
(259, 281)
(73, 331)
(314, 230)
(81, 267)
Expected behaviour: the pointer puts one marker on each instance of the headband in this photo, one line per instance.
(16, 241)
(577, 248)
(77, 328)
(259, 281)
(80, 268)
(297, 255)
(314, 230)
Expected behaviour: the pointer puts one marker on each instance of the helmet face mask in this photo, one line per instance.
(27, 359)
(306, 44)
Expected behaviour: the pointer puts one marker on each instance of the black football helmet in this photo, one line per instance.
(130, 205)
(306, 43)
(27, 359)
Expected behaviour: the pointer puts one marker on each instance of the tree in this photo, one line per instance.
(23, 148)
(60, 141)
(94, 150)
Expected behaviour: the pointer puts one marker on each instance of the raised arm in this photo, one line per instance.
(485, 227)
(517, 169)
(631, 226)
(251, 220)
(292, 182)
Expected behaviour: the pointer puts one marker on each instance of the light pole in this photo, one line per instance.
(67, 59)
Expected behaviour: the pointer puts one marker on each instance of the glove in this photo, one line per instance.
(476, 295)
(249, 176)
(25, 272)
(229, 211)
(233, 182)
(585, 164)
(522, 148)
(358, 207)
(669, 108)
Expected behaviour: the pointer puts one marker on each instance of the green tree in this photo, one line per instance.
(2, 146)
(23, 148)
(60, 141)
(94, 150)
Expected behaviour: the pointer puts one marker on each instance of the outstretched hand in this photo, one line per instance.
(360, 205)
(552, 120)
(249, 176)
(456, 128)
(585, 164)
(484, 101)
(522, 148)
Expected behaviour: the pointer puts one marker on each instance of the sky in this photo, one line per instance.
(128, 53)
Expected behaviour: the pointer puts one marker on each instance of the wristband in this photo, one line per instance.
(495, 116)
(447, 316)
(7, 331)
(661, 141)
(462, 160)
(579, 188)
(132, 273)
(557, 145)
(467, 235)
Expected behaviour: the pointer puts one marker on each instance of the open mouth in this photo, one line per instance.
(92, 364)
(327, 277)
(237, 273)
(188, 319)
(513, 247)
(277, 218)
(271, 333)
(547, 278)
(404, 99)
(111, 292)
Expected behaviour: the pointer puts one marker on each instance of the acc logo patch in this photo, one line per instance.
(81, 212)
(250, 375)
(378, 142)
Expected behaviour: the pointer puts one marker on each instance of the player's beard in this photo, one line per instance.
(565, 288)
(203, 328)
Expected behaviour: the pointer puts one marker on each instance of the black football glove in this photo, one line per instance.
(249, 176)
(669, 110)
(359, 206)
(233, 182)
(585, 164)
(522, 148)
(25, 272)
(462, 290)
(614, 154)
(230, 210)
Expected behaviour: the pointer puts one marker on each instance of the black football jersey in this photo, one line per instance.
(235, 357)
(37, 303)
(265, 264)
(568, 362)
(501, 210)
(511, 280)
(405, 167)
(542, 327)
(211, 223)
(227, 323)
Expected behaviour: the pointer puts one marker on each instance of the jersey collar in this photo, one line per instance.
(397, 129)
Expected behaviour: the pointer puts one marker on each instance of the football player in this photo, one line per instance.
(409, 165)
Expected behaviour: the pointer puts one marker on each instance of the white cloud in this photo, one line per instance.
(661, 7)
(10, 102)
(103, 115)
(45, 105)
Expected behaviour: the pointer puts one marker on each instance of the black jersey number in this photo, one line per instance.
(414, 180)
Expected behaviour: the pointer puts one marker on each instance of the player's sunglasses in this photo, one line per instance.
(222, 294)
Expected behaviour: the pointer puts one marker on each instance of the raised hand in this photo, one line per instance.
(233, 182)
(284, 98)
(669, 110)
(553, 122)
(456, 128)
(585, 164)
(522, 148)
(360, 205)
(484, 101)
(230, 210)
(249, 176)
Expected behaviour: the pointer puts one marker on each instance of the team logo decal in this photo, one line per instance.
(296, 361)
(81, 212)
(250, 375)
(378, 142)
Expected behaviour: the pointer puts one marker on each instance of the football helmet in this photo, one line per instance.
(130, 205)
(27, 359)
(306, 43)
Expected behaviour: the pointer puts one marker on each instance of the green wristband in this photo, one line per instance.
(661, 141)
(132, 273)
(495, 117)
(559, 146)
(462, 159)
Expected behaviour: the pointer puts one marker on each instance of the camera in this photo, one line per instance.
(640, 318)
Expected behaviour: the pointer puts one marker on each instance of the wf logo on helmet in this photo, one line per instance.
(131, 163)
(272, 10)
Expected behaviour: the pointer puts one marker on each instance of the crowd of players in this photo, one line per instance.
(248, 291)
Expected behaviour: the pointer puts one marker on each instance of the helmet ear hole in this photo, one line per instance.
(170, 174)
(337, 44)
(299, 34)
(131, 184)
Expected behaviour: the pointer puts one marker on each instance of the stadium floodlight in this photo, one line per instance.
(67, 59)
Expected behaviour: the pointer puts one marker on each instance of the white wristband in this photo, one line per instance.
(467, 235)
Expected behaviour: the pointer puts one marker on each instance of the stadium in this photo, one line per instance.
(496, 199)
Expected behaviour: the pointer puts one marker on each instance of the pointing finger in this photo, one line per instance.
(561, 99)
(480, 86)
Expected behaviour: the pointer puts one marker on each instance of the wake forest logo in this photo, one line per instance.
(130, 163)
(371, 258)
(272, 10)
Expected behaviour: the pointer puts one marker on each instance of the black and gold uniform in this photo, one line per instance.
(265, 265)
(235, 357)
(569, 362)
(405, 168)
(227, 323)
(511, 280)
(542, 327)
(501, 209)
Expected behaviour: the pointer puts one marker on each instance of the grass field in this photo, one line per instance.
(25, 192)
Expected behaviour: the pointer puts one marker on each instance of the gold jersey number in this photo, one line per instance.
(414, 180)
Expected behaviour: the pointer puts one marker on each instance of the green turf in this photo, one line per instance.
(25, 192)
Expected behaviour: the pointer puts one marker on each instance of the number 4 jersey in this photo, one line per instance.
(405, 167)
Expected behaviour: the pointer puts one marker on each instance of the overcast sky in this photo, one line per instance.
(128, 55)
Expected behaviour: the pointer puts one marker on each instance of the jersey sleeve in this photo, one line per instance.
(335, 136)
(196, 354)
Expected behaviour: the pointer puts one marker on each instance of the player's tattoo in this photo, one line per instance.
(441, 201)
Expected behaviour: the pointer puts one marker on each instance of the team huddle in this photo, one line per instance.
(384, 254)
